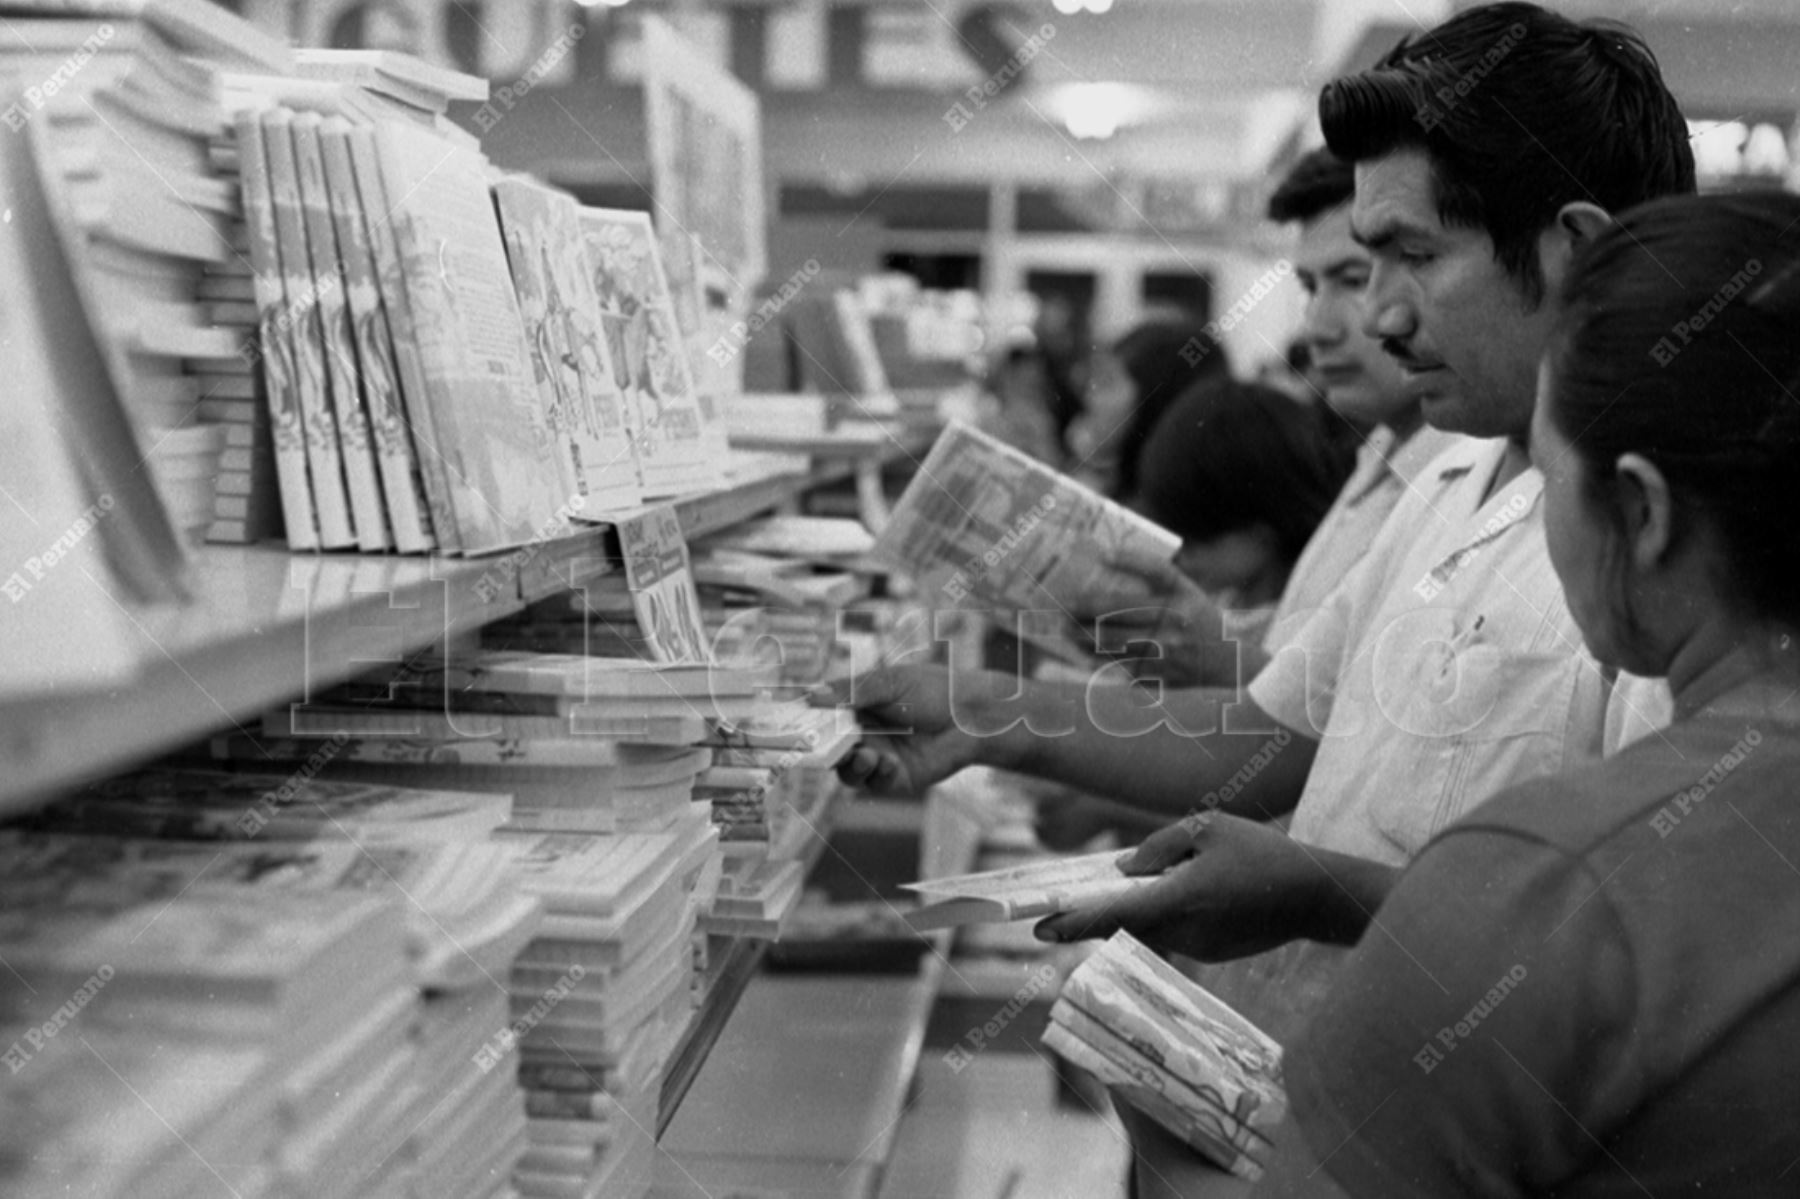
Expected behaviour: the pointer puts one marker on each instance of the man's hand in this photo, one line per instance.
(924, 724)
(1229, 888)
(1149, 601)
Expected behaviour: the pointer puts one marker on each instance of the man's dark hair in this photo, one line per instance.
(1319, 182)
(1520, 111)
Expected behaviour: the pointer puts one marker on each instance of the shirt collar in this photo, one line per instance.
(1384, 455)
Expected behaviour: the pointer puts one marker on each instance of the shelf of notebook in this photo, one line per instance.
(266, 626)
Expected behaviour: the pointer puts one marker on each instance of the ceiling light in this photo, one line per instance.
(1094, 111)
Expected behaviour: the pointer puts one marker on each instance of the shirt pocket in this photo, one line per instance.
(1501, 719)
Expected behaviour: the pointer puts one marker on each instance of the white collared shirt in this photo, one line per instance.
(1386, 466)
(1444, 668)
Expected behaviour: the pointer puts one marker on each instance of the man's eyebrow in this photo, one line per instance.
(1385, 232)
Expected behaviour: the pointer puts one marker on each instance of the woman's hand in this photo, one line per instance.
(1227, 888)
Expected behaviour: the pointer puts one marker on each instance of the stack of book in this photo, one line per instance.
(572, 784)
(601, 997)
(120, 104)
(554, 696)
(596, 620)
(207, 805)
(397, 86)
(347, 471)
(245, 505)
(463, 1122)
(763, 606)
(1171, 1050)
(268, 1033)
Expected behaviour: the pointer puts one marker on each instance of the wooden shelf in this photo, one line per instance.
(266, 625)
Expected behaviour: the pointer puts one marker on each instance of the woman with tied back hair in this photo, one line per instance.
(1590, 985)
(1129, 387)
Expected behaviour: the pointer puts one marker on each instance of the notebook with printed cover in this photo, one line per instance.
(983, 526)
(1026, 892)
(1170, 1048)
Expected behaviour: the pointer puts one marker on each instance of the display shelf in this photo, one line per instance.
(840, 1049)
(266, 625)
(742, 957)
(837, 1054)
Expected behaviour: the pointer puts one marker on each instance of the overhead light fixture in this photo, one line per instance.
(1071, 7)
(1096, 111)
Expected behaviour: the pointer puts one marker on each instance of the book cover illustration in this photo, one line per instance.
(305, 327)
(342, 369)
(983, 526)
(569, 352)
(500, 458)
(661, 578)
(1174, 1051)
(402, 485)
(390, 281)
(637, 316)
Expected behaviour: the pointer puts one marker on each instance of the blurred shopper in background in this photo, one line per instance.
(1130, 385)
(1018, 404)
(1243, 475)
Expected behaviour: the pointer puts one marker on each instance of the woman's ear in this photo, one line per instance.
(1576, 224)
(1646, 510)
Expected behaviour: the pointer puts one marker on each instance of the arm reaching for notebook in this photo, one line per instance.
(1229, 888)
(1155, 749)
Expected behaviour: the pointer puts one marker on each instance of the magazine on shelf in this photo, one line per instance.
(500, 459)
(402, 483)
(396, 303)
(983, 526)
(637, 315)
(303, 317)
(1023, 892)
(569, 355)
(343, 370)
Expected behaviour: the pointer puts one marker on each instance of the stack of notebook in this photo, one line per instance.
(600, 998)
(1168, 1048)
(463, 1121)
(121, 105)
(265, 1034)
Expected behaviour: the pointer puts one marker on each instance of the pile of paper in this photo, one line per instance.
(1167, 1047)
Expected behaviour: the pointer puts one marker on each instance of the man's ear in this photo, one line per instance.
(1646, 509)
(1576, 224)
